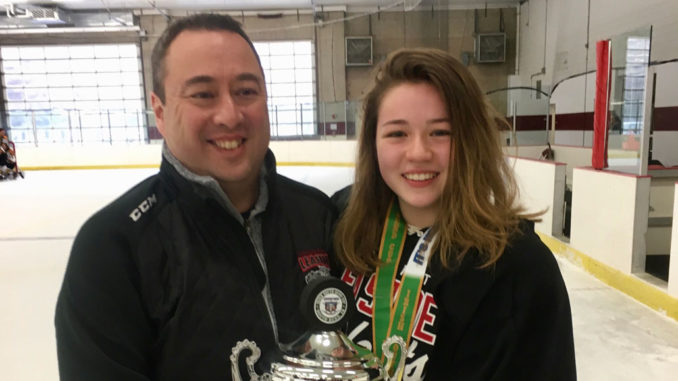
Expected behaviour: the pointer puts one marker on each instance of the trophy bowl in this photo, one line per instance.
(324, 352)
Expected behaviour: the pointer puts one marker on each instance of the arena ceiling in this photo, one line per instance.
(252, 5)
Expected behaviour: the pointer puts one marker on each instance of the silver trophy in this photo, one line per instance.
(324, 353)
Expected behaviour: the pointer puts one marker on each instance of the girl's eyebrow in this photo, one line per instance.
(439, 120)
(402, 122)
(397, 122)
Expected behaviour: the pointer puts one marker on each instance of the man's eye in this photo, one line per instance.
(202, 95)
(247, 92)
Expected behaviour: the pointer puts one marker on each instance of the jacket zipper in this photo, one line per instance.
(266, 292)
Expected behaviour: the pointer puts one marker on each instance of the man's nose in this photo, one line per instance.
(228, 113)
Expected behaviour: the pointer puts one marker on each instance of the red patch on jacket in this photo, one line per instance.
(311, 259)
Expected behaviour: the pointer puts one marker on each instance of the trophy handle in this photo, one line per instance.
(250, 361)
(390, 356)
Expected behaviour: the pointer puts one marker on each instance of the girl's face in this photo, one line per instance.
(413, 149)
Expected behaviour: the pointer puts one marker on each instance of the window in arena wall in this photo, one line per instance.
(289, 68)
(637, 58)
(74, 93)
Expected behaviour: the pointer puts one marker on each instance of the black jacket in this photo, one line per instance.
(511, 321)
(163, 282)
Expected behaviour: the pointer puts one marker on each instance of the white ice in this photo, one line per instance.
(616, 337)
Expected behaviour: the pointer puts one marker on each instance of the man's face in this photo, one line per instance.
(214, 118)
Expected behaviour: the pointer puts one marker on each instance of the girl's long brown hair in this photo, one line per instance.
(478, 207)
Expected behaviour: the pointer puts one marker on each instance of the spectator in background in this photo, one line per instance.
(615, 124)
(8, 164)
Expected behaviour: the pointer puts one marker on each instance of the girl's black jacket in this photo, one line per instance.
(509, 322)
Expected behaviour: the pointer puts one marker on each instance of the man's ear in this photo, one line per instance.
(159, 112)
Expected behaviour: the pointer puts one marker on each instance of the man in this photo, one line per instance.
(162, 283)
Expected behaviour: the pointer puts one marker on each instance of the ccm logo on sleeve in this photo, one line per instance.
(144, 207)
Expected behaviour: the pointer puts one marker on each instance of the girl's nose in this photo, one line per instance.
(419, 149)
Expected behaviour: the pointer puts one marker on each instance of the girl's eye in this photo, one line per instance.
(441, 132)
(395, 134)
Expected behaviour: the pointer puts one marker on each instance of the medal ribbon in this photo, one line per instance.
(395, 315)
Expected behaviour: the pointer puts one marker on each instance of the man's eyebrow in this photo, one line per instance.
(249, 77)
(198, 79)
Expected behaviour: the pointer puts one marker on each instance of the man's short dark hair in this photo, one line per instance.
(200, 21)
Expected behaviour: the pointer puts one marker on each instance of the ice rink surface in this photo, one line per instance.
(616, 338)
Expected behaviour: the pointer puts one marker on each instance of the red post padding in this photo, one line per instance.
(601, 103)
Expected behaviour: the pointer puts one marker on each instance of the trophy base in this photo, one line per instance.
(323, 355)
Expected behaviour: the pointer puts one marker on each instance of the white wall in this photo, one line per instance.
(661, 196)
(666, 84)
(661, 206)
(57, 155)
(567, 22)
(664, 147)
(542, 183)
(574, 138)
(530, 138)
(570, 50)
(542, 186)
(286, 152)
(524, 151)
(563, 99)
(673, 262)
(333, 151)
(573, 157)
(609, 217)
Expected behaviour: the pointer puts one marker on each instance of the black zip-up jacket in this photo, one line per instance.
(508, 322)
(163, 282)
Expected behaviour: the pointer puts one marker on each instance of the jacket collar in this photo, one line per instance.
(206, 187)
